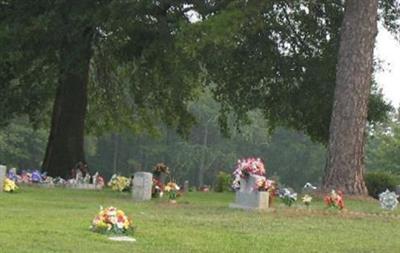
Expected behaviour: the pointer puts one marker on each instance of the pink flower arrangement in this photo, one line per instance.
(255, 167)
(248, 166)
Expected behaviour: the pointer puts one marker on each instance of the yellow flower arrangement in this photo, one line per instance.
(119, 183)
(9, 185)
(172, 189)
(307, 199)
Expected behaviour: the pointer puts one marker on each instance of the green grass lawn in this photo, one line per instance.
(57, 220)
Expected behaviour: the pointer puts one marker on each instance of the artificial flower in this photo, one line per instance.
(335, 200)
(388, 200)
(172, 188)
(306, 199)
(9, 185)
(287, 196)
(251, 167)
(112, 220)
(119, 183)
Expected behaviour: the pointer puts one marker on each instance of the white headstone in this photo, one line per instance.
(3, 170)
(142, 183)
(248, 197)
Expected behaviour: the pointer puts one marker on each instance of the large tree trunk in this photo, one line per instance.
(66, 140)
(345, 162)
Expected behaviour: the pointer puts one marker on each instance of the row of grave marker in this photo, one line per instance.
(142, 184)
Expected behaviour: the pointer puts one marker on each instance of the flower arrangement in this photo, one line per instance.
(12, 175)
(264, 184)
(119, 183)
(335, 200)
(9, 185)
(37, 177)
(32, 176)
(306, 199)
(59, 181)
(157, 188)
(288, 197)
(172, 188)
(160, 168)
(112, 220)
(388, 200)
(251, 167)
(248, 166)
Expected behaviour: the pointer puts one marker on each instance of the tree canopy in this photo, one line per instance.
(141, 62)
(277, 56)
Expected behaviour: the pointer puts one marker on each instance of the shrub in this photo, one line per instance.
(378, 182)
(224, 181)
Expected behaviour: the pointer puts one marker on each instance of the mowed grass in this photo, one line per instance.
(57, 220)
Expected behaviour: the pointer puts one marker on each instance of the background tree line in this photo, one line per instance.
(291, 157)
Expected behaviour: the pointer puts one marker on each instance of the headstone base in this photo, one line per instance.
(251, 200)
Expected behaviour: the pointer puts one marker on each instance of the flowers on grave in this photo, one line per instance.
(172, 189)
(388, 200)
(98, 180)
(59, 181)
(264, 184)
(9, 185)
(119, 183)
(12, 175)
(251, 167)
(26, 177)
(112, 221)
(36, 176)
(48, 180)
(335, 200)
(157, 188)
(160, 168)
(287, 197)
(306, 199)
(33, 176)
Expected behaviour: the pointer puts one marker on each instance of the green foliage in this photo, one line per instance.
(276, 56)
(384, 146)
(224, 182)
(22, 146)
(138, 77)
(378, 182)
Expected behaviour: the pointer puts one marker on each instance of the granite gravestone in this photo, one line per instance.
(142, 184)
(248, 196)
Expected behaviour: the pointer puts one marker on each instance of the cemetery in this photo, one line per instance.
(63, 219)
(199, 126)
